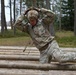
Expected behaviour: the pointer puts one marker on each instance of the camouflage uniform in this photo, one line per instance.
(43, 40)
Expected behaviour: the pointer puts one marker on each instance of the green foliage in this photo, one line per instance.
(68, 15)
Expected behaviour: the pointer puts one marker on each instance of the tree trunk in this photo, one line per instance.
(20, 6)
(35, 3)
(3, 19)
(48, 4)
(60, 17)
(75, 17)
(51, 26)
(14, 15)
(11, 15)
(14, 10)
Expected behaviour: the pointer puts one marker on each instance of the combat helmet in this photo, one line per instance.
(32, 13)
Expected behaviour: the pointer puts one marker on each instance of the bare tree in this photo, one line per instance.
(48, 4)
(75, 17)
(11, 15)
(20, 6)
(14, 15)
(35, 3)
(60, 15)
(14, 9)
(50, 27)
(3, 19)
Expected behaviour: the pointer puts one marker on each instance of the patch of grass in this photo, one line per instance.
(15, 41)
(11, 39)
(66, 39)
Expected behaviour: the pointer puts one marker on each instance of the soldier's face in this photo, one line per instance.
(33, 21)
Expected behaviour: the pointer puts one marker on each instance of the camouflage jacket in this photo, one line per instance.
(39, 33)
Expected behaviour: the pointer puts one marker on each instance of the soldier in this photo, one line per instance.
(40, 35)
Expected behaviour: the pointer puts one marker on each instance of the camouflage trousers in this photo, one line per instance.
(53, 50)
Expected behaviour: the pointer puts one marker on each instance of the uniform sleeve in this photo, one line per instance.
(48, 17)
(18, 24)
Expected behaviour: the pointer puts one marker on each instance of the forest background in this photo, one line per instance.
(64, 25)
